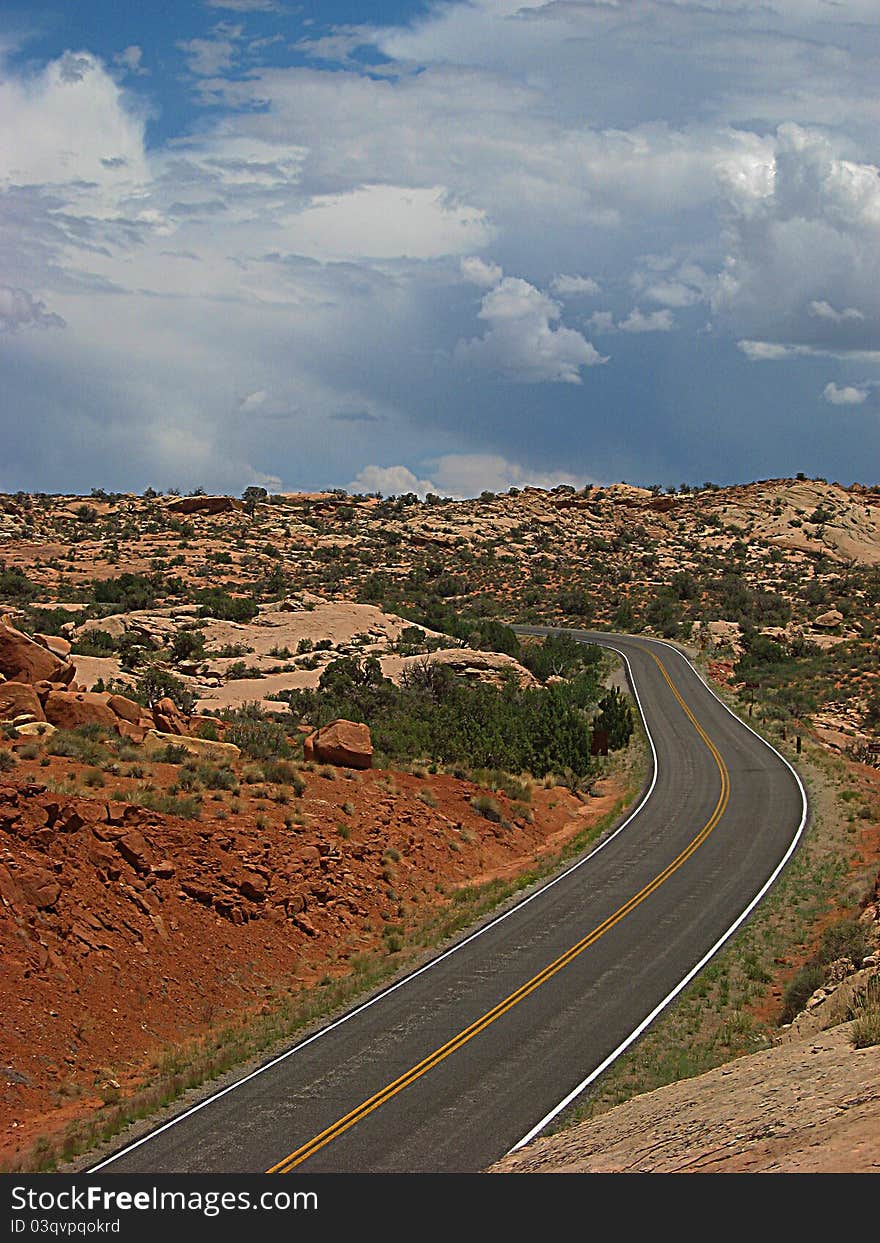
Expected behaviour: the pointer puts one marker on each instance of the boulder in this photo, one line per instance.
(35, 729)
(134, 850)
(829, 620)
(169, 719)
(17, 698)
(68, 709)
(41, 888)
(346, 744)
(204, 505)
(127, 709)
(23, 660)
(253, 887)
(55, 644)
(218, 752)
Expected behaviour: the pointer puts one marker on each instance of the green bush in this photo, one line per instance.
(800, 989)
(215, 602)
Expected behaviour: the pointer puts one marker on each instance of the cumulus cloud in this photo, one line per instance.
(390, 481)
(246, 6)
(766, 351)
(327, 221)
(479, 272)
(19, 309)
(846, 394)
(824, 310)
(636, 322)
(129, 59)
(575, 286)
(469, 474)
(521, 341)
(387, 221)
(654, 321)
(209, 57)
(462, 475)
(811, 203)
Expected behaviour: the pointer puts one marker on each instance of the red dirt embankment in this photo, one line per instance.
(124, 932)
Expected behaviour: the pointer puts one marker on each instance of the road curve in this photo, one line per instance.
(477, 1050)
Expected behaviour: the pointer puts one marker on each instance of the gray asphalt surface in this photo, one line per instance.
(472, 1107)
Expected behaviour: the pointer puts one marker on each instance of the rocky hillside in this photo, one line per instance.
(163, 831)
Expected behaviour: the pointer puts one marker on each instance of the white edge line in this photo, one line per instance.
(646, 1022)
(216, 1096)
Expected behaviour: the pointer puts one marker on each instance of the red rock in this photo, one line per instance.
(11, 893)
(127, 709)
(16, 698)
(67, 709)
(55, 644)
(346, 744)
(306, 854)
(103, 860)
(23, 660)
(75, 815)
(134, 733)
(134, 850)
(41, 889)
(200, 892)
(253, 887)
(204, 505)
(169, 719)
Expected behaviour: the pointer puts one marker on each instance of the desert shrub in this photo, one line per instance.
(800, 989)
(158, 683)
(86, 743)
(173, 753)
(865, 1012)
(457, 722)
(215, 602)
(128, 591)
(615, 718)
(15, 585)
(8, 761)
(559, 656)
(487, 807)
(187, 645)
(258, 739)
(845, 939)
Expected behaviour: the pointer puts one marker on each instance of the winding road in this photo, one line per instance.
(479, 1049)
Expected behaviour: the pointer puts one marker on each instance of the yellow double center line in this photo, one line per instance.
(457, 1042)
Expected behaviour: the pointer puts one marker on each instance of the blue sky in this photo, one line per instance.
(438, 246)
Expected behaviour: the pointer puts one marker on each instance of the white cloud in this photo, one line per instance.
(601, 321)
(803, 245)
(654, 321)
(766, 351)
(521, 341)
(575, 286)
(846, 395)
(390, 481)
(673, 293)
(637, 321)
(469, 474)
(19, 309)
(209, 57)
(461, 475)
(130, 59)
(481, 273)
(246, 6)
(824, 310)
(387, 221)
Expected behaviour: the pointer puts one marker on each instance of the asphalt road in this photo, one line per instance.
(451, 1068)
